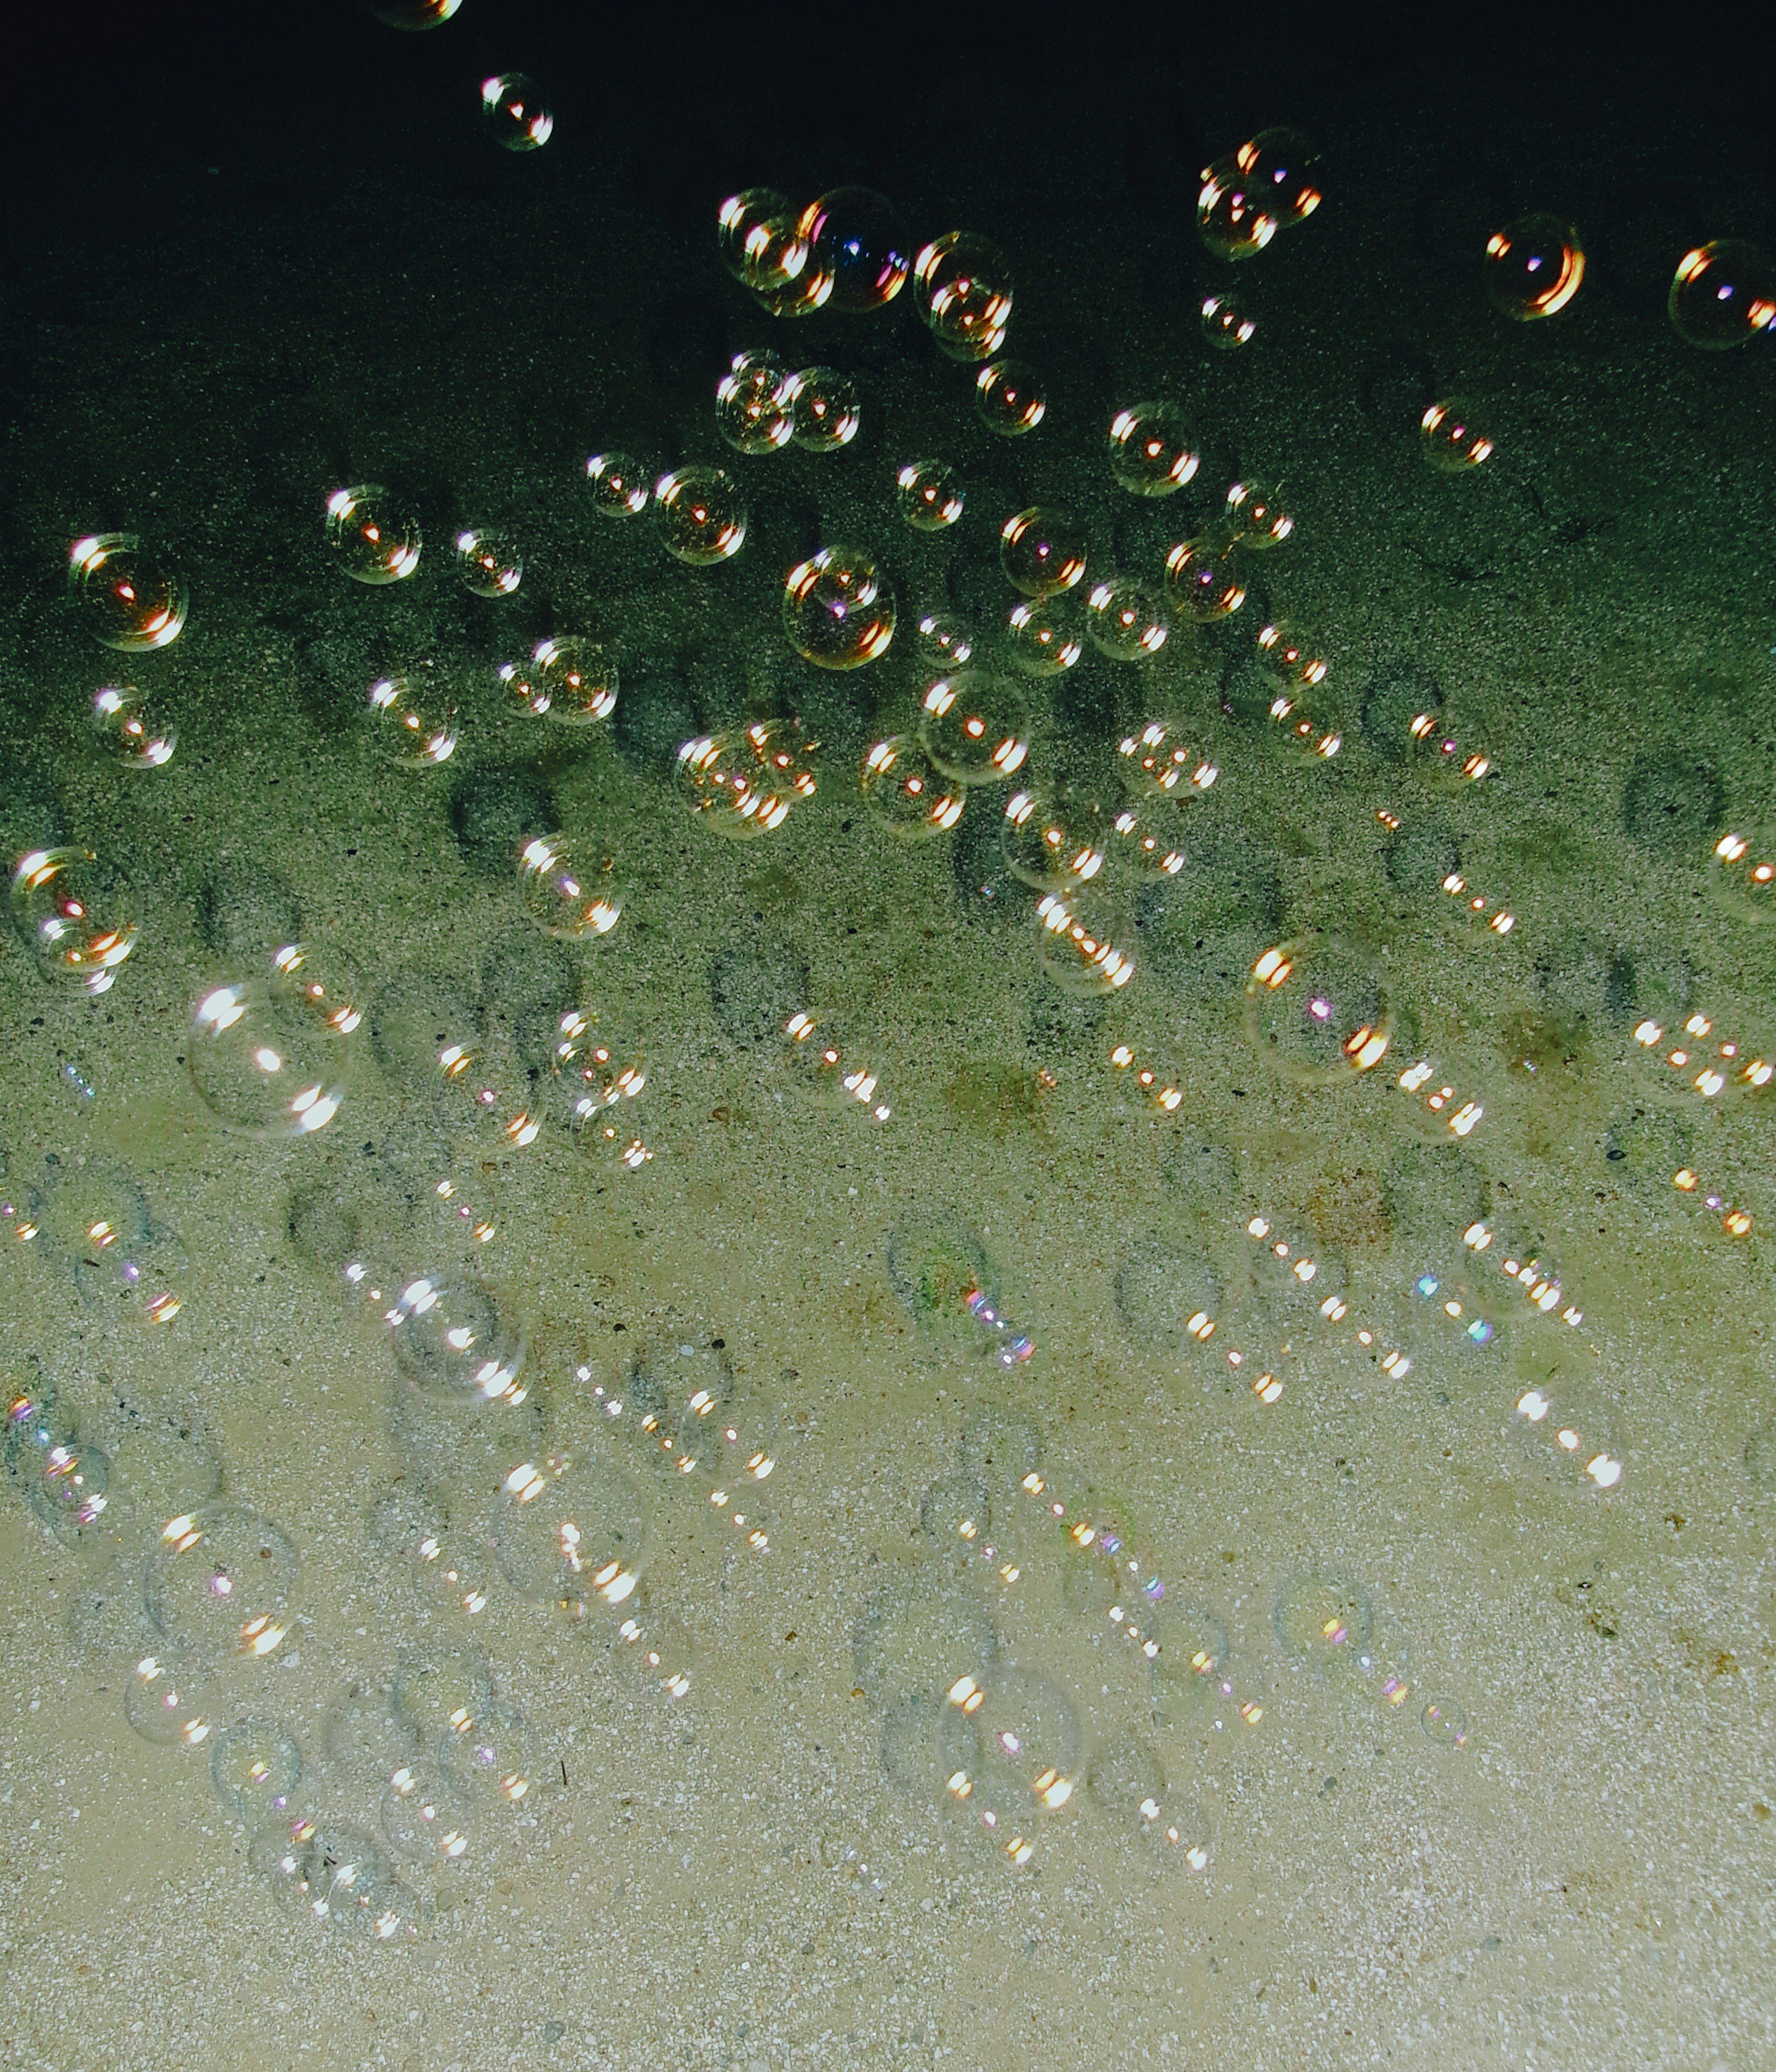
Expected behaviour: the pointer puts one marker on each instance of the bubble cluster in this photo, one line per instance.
(272, 1057)
(962, 287)
(752, 403)
(824, 410)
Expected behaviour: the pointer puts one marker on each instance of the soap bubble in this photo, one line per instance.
(838, 612)
(570, 679)
(255, 1768)
(1256, 515)
(1042, 636)
(1233, 212)
(1723, 294)
(786, 754)
(1304, 724)
(488, 562)
(1127, 1782)
(825, 412)
(1281, 167)
(451, 1340)
(1568, 1423)
(1742, 872)
(802, 294)
(411, 721)
(1009, 398)
(974, 727)
(348, 1884)
(1533, 267)
(757, 236)
(1190, 1660)
(1444, 1722)
(513, 112)
(1147, 840)
(219, 1582)
(569, 1531)
(931, 497)
(376, 540)
(1227, 324)
(722, 780)
(1316, 1011)
(1204, 579)
(1042, 551)
(1167, 1297)
(413, 14)
(915, 1634)
(167, 1701)
(273, 1059)
(855, 238)
(492, 1759)
(906, 793)
(1126, 618)
(1051, 844)
(1442, 759)
(1160, 760)
(1291, 655)
(657, 1654)
(424, 1819)
(618, 484)
(1086, 942)
(962, 287)
(77, 913)
(35, 1421)
(1324, 1621)
(1030, 1724)
(944, 642)
(752, 403)
(126, 598)
(1440, 1103)
(441, 1689)
(700, 514)
(1452, 438)
(68, 1492)
(97, 1219)
(1152, 453)
(131, 730)
(570, 889)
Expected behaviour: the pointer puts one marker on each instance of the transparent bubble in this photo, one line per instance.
(514, 113)
(569, 1531)
(1158, 1079)
(855, 238)
(126, 598)
(167, 1701)
(1086, 942)
(802, 294)
(452, 1340)
(96, 1218)
(962, 287)
(833, 1077)
(1227, 322)
(1283, 167)
(413, 14)
(618, 485)
(131, 730)
(1316, 1011)
(1152, 453)
(1256, 515)
(425, 1818)
(488, 562)
(1568, 1422)
(491, 1760)
(77, 913)
(68, 1493)
(1028, 1723)
(1204, 578)
(442, 1689)
(916, 1633)
(1010, 397)
(1127, 1782)
(1168, 1297)
(1234, 213)
(36, 1422)
(759, 242)
(785, 753)
(595, 1075)
(1533, 267)
(838, 611)
(1162, 760)
(1742, 870)
(1190, 1659)
(1529, 1265)
(1445, 756)
(1042, 636)
(700, 514)
(931, 497)
(411, 721)
(1438, 1102)
(906, 793)
(722, 779)
(752, 403)
(1050, 844)
(974, 727)
(1325, 1620)
(1444, 1722)
(350, 1888)
(1126, 618)
(570, 679)
(1305, 723)
(824, 412)
(274, 1058)
(1042, 551)
(1453, 438)
(1146, 840)
(256, 1768)
(1291, 655)
(944, 642)
(1723, 294)
(366, 1736)
(376, 539)
(570, 889)
(657, 1654)
(219, 1582)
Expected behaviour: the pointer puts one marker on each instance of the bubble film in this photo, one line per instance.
(856, 239)
(1205, 580)
(274, 1058)
(1236, 215)
(411, 721)
(1534, 267)
(570, 889)
(1227, 322)
(974, 727)
(1126, 618)
(1281, 166)
(77, 913)
(1453, 437)
(131, 729)
(752, 403)
(219, 1583)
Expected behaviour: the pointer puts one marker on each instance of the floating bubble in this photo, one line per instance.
(1234, 212)
(786, 752)
(1030, 1725)
(375, 539)
(963, 288)
(1282, 166)
(1227, 324)
(569, 679)
(570, 889)
(514, 113)
(936, 1266)
(825, 412)
(1169, 1297)
(759, 242)
(931, 497)
(411, 722)
(126, 599)
(752, 403)
(452, 1340)
(1160, 760)
(1443, 756)
(1533, 267)
(1159, 1082)
(802, 294)
(1204, 579)
(1042, 553)
(732, 794)
(256, 1768)
(838, 612)
(274, 1058)
(1010, 397)
(131, 730)
(78, 914)
(1255, 516)
(700, 514)
(906, 793)
(1322, 1620)
(97, 1220)
(1152, 453)
(944, 642)
(425, 1818)
(569, 1531)
(1126, 618)
(1147, 840)
(831, 1078)
(442, 1689)
(68, 1493)
(1452, 438)
(1086, 942)
(488, 562)
(974, 727)
(1304, 725)
(1444, 1722)
(36, 1422)
(1693, 1059)
(856, 240)
(219, 1582)
(1567, 1421)
(348, 1886)
(1440, 1103)
(618, 485)
(657, 1652)
(1127, 1782)
(1723, 294)
(1742, 870)
(1291, 655)
(1190, 1659)
(1042, 636)
(1316, 1011)
(167, 1701)
(1051, 844)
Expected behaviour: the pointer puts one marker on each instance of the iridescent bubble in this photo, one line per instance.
(962, 287)
(721, 779)
(752, 403)
(1147, 839)
(1568, 1422)
(410, 721)
(657, 1652)
(824, 412)
(1723, 294)
(700, 514)
(492, 1761)
(944, 642)
(974, 727)
(1322, 1620)
(618, 485)
(425, 1818)
(68, 1493)
(131, 729)
(1316, 1011)
(1234, 212)
(1086, 942)
(1010, 397)
(1441, 1101)
(1162, 760)
(570, 679)
(488, 562)
(376, 539)
(759, 242)
(1533, 267)
(256, 1768)
(838, 612)
(1443, 755)
(77, 913)
(348, 1885)
(412, 14)
(1282, 166)
(570, 889)
(1042, 635)
(1204, 578)
(1452, 438)
(1051, 844)
(1255, 516)
(219, 1582)
(569, 1531)
(1126, 618)
(1042, 551)
(906, 793)
(452, 1340)
(1444, 1722)
(1227, 324)
(167, 1701)
(855, 238)
(513, 112)
(787, 754)
(1030, 1725)
(126, 599)
(274, 1058)
(1152, 453)
(931, 497)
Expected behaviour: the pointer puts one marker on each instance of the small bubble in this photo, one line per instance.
(618, 485)
(963, 288)
(1453, 437)
(375, 539)
(1152, 452)
(931, 497)
(1533, 267)
(1010, 397)
(824, 412)
(126, 598)
(487, 562)
(1444, 1722)
(700, 515)
(514, 113)
(838, 611)
(1723, 294)
(131, 729)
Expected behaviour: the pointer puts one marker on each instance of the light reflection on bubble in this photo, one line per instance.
(256, 1768)
(1086, 942)
(569, 1532)
(1161, 759)
(619, 485)
(1444, 1722)
(752, 405)
(1009, 398)
(514, 113)
(700, 515)
(131, 730)
(838, 612)
(962, 287)
(1256, 515)
(1053, 843)
(857, 240)
(722, 780)
(411, 722)
(488, 562)
(930, 497)
(1439, 1106)
(1281, 166)
(274, 1059)
(907, 795)
(1152, 452)
(945, 643)
(1723, 294)
(1204, 578)
(974, 727)
(1042, 551)
(77, 913)
(1534, 267)
(375, 539)
(1742, 872)
(1126, 618)
(1316, 1011)
(1453, 437)
(570, 889)
(165, 1702)
(1234, 215)
(125, 597)
(220, 1582)
(824, 412)
(449, 1336)
(424, 1819)
(758, 240)
(1526, 1265)
(833, 1078)
(1226, 323)
(1695, 1059)
(1042, 637)
(1566, 1419)
(1322, 1621)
